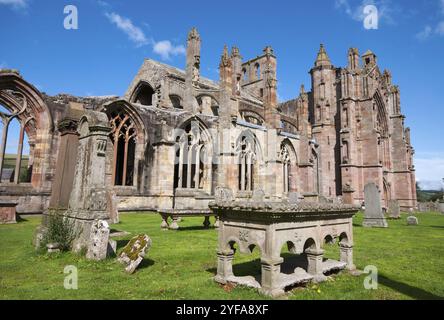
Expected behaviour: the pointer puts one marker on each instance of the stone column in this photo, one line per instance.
(270, 275)
(314, 257)
(347, 255)
(18, 160)
(224, 266)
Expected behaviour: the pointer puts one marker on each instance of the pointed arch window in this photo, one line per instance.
(16, 159)
(286, 166)
(123, 137)
(247, 159)
(191, 158)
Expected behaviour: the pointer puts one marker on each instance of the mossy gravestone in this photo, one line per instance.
(134, 252)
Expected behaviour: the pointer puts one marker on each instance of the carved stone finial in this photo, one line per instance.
(235, 52)
(225, 59)
(193, 35)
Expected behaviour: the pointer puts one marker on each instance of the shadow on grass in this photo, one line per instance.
(146, 262)
(121, 244)
(195, 228)
(413, 292)
(253, 267)
(249, 268)
(439, 227)
(19, 219)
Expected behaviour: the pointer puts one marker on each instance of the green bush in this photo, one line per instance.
(59, 230)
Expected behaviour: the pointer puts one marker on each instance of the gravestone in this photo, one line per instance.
(373, 215)
(394, 210)
(412, 221)
(99, 241)
(134, 252)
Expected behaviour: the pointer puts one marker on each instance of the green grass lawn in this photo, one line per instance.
(181, 264)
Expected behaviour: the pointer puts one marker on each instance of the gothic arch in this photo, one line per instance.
(194, 153)
(144, 94)
(288, 158)
(249, 158)
(129, 140)
(25, 103)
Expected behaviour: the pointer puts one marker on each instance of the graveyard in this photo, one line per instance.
(182, 264)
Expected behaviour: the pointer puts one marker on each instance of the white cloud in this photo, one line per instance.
(103, 3)
(165, 49)
(134, 33)
(424, 34)
(430, 170)
(3, 65)
(438, 30)
(15, 3)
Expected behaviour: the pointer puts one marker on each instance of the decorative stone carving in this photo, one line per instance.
(134, 252)
(89, 200)
(268, 225)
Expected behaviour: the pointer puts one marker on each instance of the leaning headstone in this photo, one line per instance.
(134, 252)
(373, 215)
(394, 210)
(99, 239)
(412, 221)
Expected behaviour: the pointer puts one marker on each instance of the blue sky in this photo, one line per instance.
(113, 38)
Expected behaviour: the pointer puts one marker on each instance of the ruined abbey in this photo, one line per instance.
(175, 136)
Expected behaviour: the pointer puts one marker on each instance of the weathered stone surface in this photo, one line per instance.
(7, 212)
(258, 195)
(373, 215)
(267, 225)
(294, 197)
(99, 240)
(223, 194)
(412, 221)
(394, 210)
(134, 252)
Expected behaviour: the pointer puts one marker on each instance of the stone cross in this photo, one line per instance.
(373, 217)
